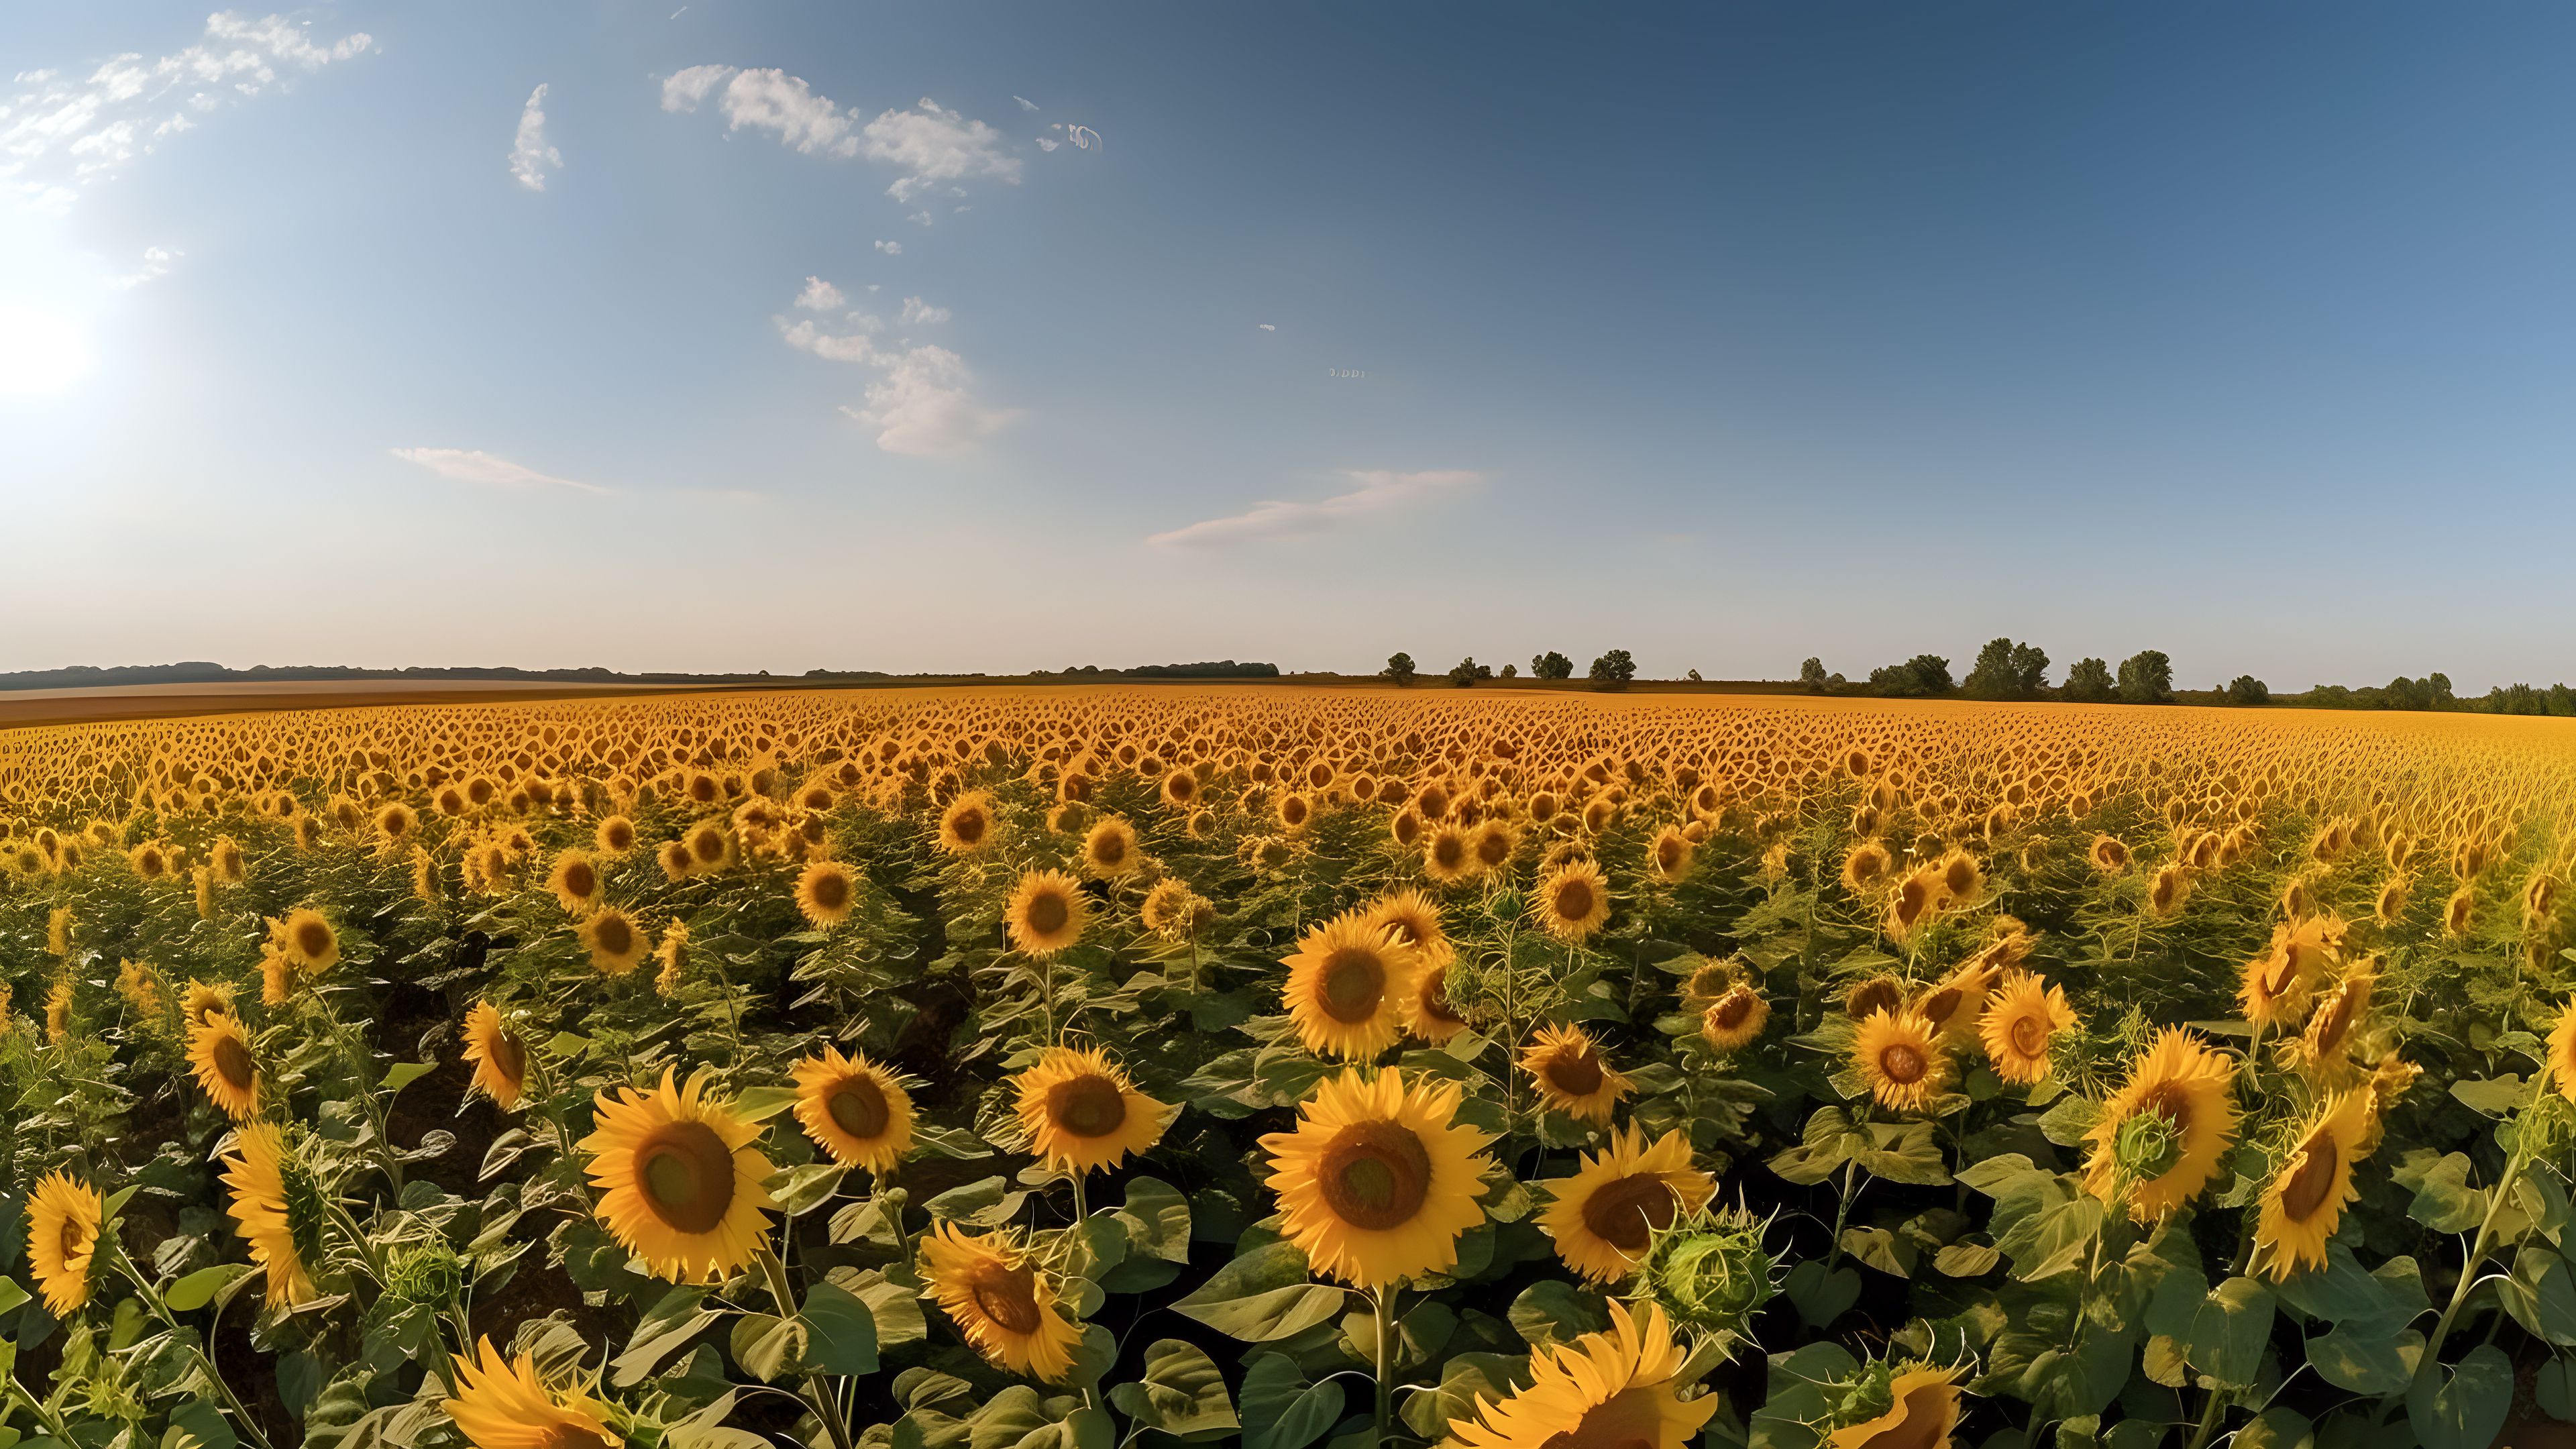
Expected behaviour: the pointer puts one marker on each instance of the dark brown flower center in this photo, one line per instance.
(2029, 1035)
(1048, 912)
(580, 881)
(2312, 1181)
(1623, 1212)
(1435, 998)
(74, 1237)
(1493, 847)
(313, 938)
(1903, 1063)
(1575, 1071)
(1730, 1013)
(1574, 899)
(1108, 849)
(1669, 852)
(1087, 1106)
(614, 935)
(1375, 1175)
(232, 1062)
(830, 890)
(859, 1108)
(1629, 1419)
(1352, 984)
(1448, 851)
(967, 826)
(1938, 1006)
(685, 1174)
(1008, 1296)
(509, 1059)
(1871, 997)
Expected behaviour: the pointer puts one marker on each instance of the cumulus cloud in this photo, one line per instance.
(926, 405)
(819, 296)
(932, 145)
(1380, 493)
(927, 144)
(470, 466)
(767, 100)
(917, 310)
(58, 133)
(890, 248)
(531, 155)
(810, 338)
(156, 264)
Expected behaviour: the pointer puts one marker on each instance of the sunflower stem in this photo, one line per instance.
(160, 1309)
(2501, 1194)
(818, 1394)
(1384, 1302)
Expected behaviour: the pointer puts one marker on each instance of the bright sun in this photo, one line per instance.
(40, 351)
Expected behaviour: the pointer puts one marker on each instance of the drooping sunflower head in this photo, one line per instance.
(2161, 1136)
(1109, 849)
(1604, 1216)
(2324, 1051)
(1617, 1389)
(2021, 1018)
(1735, 1019)
(825, 893)
(1348, 985)
(854, 1109)
(2562, 1052)
(616, 943)
(998, 1298)
(1379, 1178)
(1573, 901)
(1894, 1405)
(2306, 1197)
(1953, 1004)
(1082, 1114)
(680, 1183)
(1570, 1075)
(277, 1204)
(2168, 890)
(202, 1000)
(1046, 912)
(1900, 1056)
(1872, 995)
(505, 1404)
(64, 1218)
(219, 1053)
(1428, 1012)
(500, 1058)
(1866, 866)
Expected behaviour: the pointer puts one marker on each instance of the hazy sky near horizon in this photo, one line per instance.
(985, 336)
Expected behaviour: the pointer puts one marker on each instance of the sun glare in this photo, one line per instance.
(40, 351)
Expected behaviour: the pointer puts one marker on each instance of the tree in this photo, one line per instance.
(1467, 671)
(1812, 674)
(1510, 670)
(2146, 677)
(1694, 674)
(2006, 670)
(1551, 665)
(2245, 689)
(1924, 674)
(2089, 682)
(1613, 670)
(1399, 667)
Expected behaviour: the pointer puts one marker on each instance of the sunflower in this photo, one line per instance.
(2185, 1087)
(1109, 849)
(825, 893)
(219, 1051)
(307, 940)
(854, 1109)
(617, 945)
(63, 1220)
(1574, 901)
(1571, 1076)
(2458, 913)
(999, 1301)
(1428, 1013)
(1616, 1389)
(500, 1059)
(2324, 1050)
(1735, 1019)
(679, 1181)
(1346, 986)
(1167, 906)
(1878, 993)
(2307, 1196)
(1954, 1004)
(1446, 858)
(2562, 1052)
(503, 1404)
(1668, 857)
(1082, 1114)
(1900, 1056)
(1046, 912)
(1492, 844)
(1913, 902)
(575, 882)
(615, 836)
(1604, 1214)
(1378, 1180)
(277, 1206)
(2166, 893)
(2020, 1017)
(2276, 985)
(202, 1000)
(1924, 1409)
(1866, 865)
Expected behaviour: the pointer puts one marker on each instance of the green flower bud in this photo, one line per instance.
(1708, 1271)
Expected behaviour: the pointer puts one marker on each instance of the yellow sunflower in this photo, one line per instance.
(999, 1301)
(1378, 1180)
(1046, 912)
(276, 978)
(615, 836)
(2562, 1052)
(1953, 1006)
(2276, 985)
(2020, 1017)
(679, 1181)
(1428, 1013)
(1617, 1389)
(1346, 986)
(2184, 1086)
(2307, 1196)
(616, 945)
(1925, 1411)
(1446, 858)
(1081, 1113)
(1602, 1216)
(1415, 917)
(277, 1207)
(2324, 1050)
(219, 1052)
(967, 823)
(854, 1109)
(1668, 858)
(1734, 1019)
(63, 1218)
(1900, 1056)
(503, 1404)
(825, 893)
(1109, 850)
(202, 1000)
(500, 1059)
(307, 940)
(1573, 901)
(1571, 1076)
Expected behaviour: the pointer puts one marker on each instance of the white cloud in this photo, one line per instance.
(1025, 103)
(468, 466)
(156, 264)
(890, 248)
(935, 145)
(767, 100)
(813, 339)
(1380, 492)
(819, 295)
(1046, 145)
(531, 154)
(921, 217)
(684, 91)
(63, 133)
(917, 310)
(926, 406)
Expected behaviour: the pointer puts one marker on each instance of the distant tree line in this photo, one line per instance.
(1613, 670)
(1219, 669)
(2007, 669)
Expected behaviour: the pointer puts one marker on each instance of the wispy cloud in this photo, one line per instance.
(58, 134)
(531, 155)
(928, 144)
(469, 466)
(891, 248)
(1380, 493)
(932, 145)
(806, 337)
(925, 406)
(917, 311)
(156, 265)
(820, 296)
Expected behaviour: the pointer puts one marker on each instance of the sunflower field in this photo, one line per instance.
(1112, 1069)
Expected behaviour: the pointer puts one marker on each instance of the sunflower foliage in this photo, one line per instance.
(1107, 1069)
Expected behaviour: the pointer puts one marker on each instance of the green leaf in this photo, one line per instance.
(2445, 1202)
(1992, 1175)
(1183, 1392)
(799, 1190)
(679, 1316)
(1157, 1219)
(2338, 1291)
(2495, 1096)
(2274, 1428)
(205, 1423)
(12, 1295)
(768, 1347)
(1878, 1248)
(2463, 1407)
(1281, 1410)
(759, 1104)
(2362, 1356)
(2066, 1123)
(1909, 1154)
(1555, 1311)
(2554, 1386)
(403, 1074)
(1466, 1380)
(2229, 1331)
(1261, 1296)
(197, 1289)
(840, 1331)
(1821, 1297)
(1795, 1405)
(2546, 1302)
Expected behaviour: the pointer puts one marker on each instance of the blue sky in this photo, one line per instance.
(1728, 334)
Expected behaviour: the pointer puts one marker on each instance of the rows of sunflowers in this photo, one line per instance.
(1087, 1069)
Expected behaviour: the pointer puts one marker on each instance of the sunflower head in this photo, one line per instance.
(826, 892)
(680, 1183)
(1000, 1300)
(500, 1058)
(2306, 1197)
(1708, 1271)
(1379, 1178)
(2161, 1136)
(1617, 1389)
(1606, 1215)
(1570, 1075)
(854, 1109)
(1573, 901)
(1046, 912)
(1894, 1404)
(219, 1052)
(2021, 1018)
(307, 939)
(64, 1219)
(1900, 1056)
(505, 1404)
(616, 943)
(1082, 1114)
(1109, 849)
(1733, 1020)
(1348, 986)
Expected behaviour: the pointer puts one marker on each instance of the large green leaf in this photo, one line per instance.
(1555, 1311)
(2542, 1294)
(1795, 1403)
(1283, 1411)
(2463, 1407)
(1183, 1392)
(840, 1331)
(1262, 1295)
(2229, 1331)
(1157, 1219)
(2364, 1357)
